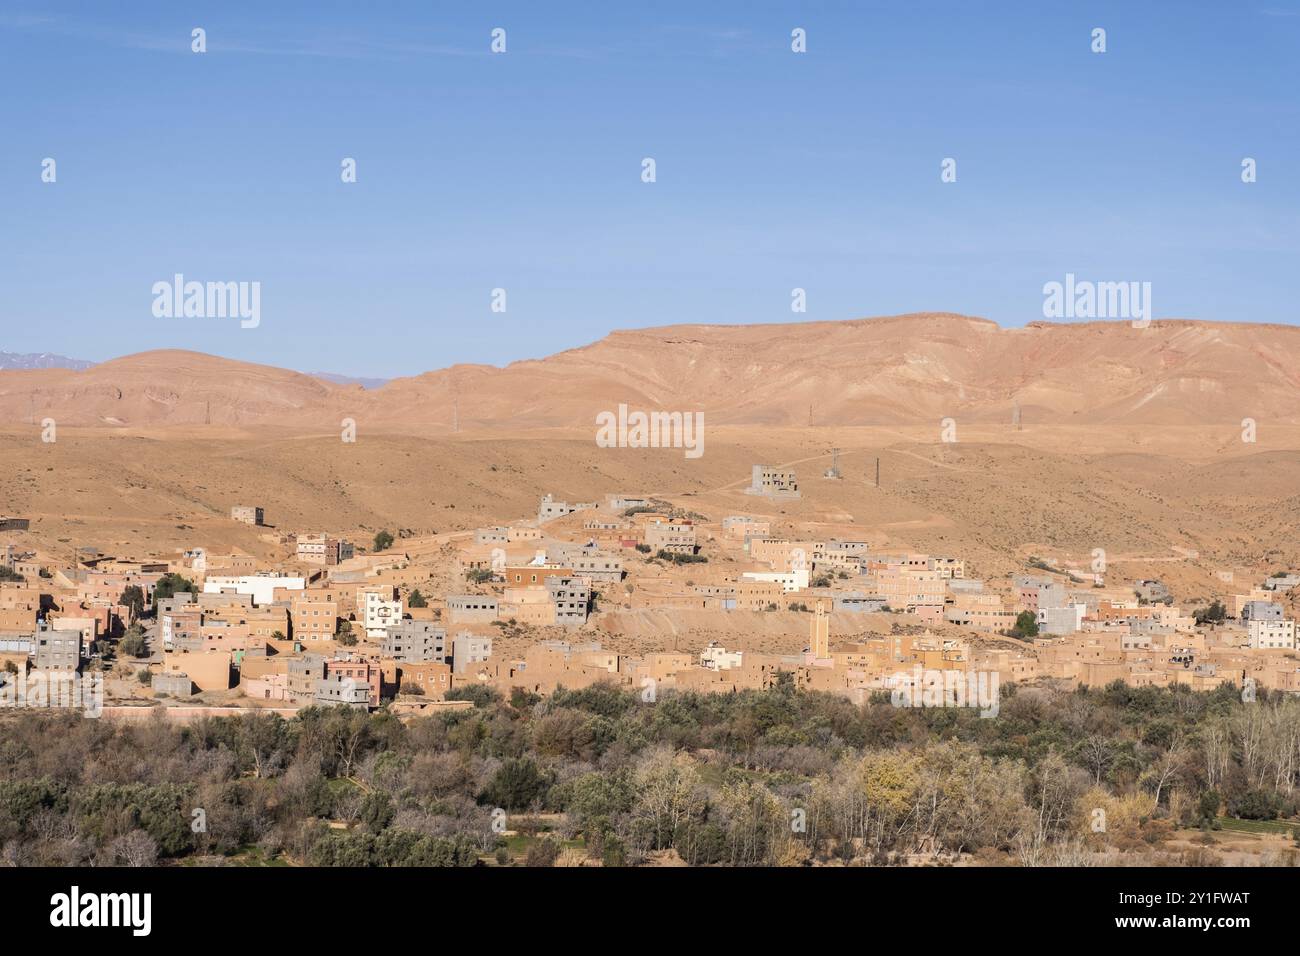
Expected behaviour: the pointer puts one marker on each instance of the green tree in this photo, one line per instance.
(133, 600)
(376, 811)
(383, 541)
(1214, 614)
(479, 694)
(416, 599)
(133, 643)
(170, 585)
(516, 785)
(1208, 805)
(1026, 625)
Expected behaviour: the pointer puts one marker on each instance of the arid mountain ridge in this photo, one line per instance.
(907, 369)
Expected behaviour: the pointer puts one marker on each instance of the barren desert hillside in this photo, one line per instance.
(908, 369)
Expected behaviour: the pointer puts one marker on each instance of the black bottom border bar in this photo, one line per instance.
(306, 904)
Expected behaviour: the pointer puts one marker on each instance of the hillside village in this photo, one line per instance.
(591, 592)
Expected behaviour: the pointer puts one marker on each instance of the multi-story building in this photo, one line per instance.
(1271, 634)
(717, 658)
(302, 673)
(1035, 594)
(549, 508)
(766, 480)
(1151, 591)
(745, 526)
(472, 608)
(674, 537)
(338, 691)
(260, 587)
(757, 595)
(903, 589)
(432, 678)
(984, 612)
(527, 604)
(950, 568)
(313, 616)
(1239, 601)
(413, 642)
(572, 599)
(590, 562)
(469, 649)
(379, 610)
(248, 514)
(1059, 621)
(784, 554)
(322, 549)
(57, 650)
(790, 581)
(361, 673)
(1261, 611)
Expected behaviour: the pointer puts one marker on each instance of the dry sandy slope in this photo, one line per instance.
(997, 496)
(902, 369)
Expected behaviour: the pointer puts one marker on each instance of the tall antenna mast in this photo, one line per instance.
(834, 470)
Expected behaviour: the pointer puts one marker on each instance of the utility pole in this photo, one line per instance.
(877, 472)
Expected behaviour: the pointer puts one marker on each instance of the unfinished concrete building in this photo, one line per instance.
(415, 642)
(772, 482)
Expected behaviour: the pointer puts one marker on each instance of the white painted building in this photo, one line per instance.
(1272, 634)
(379, 613)
(260, 586)
(790, 581)
(1061, 620)
(717, 658)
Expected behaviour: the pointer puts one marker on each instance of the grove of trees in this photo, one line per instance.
(775, 777)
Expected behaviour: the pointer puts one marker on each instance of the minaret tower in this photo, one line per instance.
(820, 643)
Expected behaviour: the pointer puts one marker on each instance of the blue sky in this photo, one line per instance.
(775, 170)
